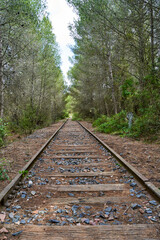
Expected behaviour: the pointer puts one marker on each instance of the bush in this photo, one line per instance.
(100, 121)
(76, 117)
(115, 124)
(29, 120)
(3, 131)
(148, 124)
(145, 125)
(65, 115)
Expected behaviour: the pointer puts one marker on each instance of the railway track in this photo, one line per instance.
(76, 189)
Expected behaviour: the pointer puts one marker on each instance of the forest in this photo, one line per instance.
(116, 69)
(115, 73)
(31, 81)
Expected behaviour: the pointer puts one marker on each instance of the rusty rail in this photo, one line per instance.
(8, 189)
(151, 188)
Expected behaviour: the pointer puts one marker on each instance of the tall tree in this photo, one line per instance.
(117, 47)
(30, 65)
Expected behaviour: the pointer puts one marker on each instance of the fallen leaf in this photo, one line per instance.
(141, 211)
(3, 230)
(3, 238)
(35, 212)
(2, 217)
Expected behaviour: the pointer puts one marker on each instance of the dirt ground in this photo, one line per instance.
(18, 153)
(37, 201)
(144, 157)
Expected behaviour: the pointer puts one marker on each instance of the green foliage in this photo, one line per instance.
(88, 119)
(23, 172)
(76, 117)
(69, 105)
(100, 120)
(127, 87)
(3, 131)
(28, 119)
(3, 170)
(148, 124)
(115, 124)
(116, 69)
(64, 115)
(34, 96)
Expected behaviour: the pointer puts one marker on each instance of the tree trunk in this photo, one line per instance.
(2, 98)
(53, 108)
(32, 83)
(112, 83)
(141, 45)
(107, 109)
(1, 83)
(40, 97)
(152, 35)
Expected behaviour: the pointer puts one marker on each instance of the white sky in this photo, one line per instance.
(61, 15)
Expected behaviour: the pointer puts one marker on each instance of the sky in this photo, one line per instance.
(61, 15)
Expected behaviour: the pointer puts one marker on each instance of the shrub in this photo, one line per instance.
(28, 120)
(147, 124)
(100, 121)
(3, 131)
(76, 117)
(114, 124)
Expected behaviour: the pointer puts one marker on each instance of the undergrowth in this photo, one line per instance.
(148, 124)
(3, 131)
(3, 169)
(76, 117)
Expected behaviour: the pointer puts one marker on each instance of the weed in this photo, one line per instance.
(3, 170)
(23, 172)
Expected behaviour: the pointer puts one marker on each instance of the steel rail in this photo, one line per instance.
(10, 187)
(151, 188)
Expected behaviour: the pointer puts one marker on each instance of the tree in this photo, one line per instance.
(116, 56)
(31, 78)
